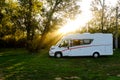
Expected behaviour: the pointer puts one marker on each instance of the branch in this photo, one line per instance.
(47, 26)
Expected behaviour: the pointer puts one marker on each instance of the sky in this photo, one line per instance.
(83, 17)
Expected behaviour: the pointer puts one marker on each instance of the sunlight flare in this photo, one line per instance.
(69, 27)
(74, 25)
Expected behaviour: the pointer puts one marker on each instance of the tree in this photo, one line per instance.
(33, 17)
(9, 15)
(103, 17)
(2, 16)
(56, 12)
(29, 9)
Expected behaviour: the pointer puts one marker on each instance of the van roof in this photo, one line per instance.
(84, 35)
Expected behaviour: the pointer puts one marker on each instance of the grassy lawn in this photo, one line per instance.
(20, 65)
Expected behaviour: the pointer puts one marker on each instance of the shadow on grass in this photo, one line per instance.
(12, 62)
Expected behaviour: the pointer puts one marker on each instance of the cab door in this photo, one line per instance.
(64, 48)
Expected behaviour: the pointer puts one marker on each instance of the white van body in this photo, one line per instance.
(85, 44)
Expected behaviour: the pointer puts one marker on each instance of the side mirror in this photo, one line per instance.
(59, 46)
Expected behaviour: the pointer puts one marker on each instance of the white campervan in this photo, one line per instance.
(85, 44)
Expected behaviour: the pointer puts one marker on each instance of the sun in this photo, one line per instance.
(73, 25)
(80, 21)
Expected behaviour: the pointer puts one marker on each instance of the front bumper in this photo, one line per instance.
(51, 53)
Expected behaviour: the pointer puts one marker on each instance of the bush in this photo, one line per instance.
(2, 43)
(11, 42)
(21, 43)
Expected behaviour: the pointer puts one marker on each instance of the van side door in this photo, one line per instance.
(81, 47)
(75, 47)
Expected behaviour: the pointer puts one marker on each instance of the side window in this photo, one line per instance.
(80, 42)
(77, 42)
(87, 41)
(65, 43)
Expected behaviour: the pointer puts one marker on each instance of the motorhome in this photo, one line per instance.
(86, 44)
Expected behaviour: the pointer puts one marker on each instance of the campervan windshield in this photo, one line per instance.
(63, 43)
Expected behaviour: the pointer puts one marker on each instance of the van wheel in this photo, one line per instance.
(96, 55)
(58, 55)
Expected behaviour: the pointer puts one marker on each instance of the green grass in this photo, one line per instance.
(20, 65)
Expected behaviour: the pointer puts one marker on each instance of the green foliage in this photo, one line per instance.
(29, 10)
(33, 17)
(19, 17)
(8, 22)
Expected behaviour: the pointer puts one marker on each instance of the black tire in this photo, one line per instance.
(58, 55)
(96, 55)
